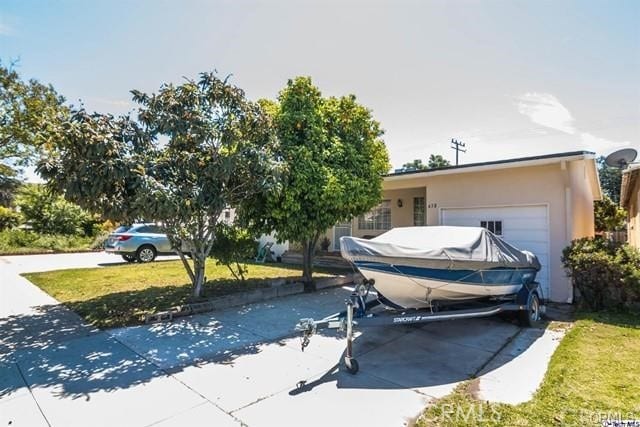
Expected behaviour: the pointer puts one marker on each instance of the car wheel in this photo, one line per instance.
(146, 253)
(129, 257)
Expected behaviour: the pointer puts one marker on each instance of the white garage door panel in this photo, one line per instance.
(524, 223)
(526, 235)
(525, 227)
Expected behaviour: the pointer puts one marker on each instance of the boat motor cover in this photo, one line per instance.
(458, 248)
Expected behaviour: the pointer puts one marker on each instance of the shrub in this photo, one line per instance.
(100, 240)
(608, 215)
(52, 214)
(231, 246)
(25, 241)
(8, 218)
(606, 273)
(325, 243)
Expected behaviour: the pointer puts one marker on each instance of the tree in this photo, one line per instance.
(233, 245)
(9, 184)
(436, 161)
(609, 216)
(29, 112)
(197, 148)
(610, 179)
(415, 165)
(333, 160)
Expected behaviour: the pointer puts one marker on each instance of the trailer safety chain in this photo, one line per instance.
(305, 341)
(308, 328)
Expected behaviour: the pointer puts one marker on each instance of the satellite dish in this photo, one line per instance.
(621, 158)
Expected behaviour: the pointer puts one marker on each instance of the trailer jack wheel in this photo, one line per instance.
(352, 365)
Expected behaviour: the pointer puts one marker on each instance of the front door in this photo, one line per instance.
(339, 230)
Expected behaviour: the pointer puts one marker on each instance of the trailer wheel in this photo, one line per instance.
(352, 365)
(532, 316)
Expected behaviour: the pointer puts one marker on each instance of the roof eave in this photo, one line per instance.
(629, 176)
(507, 164)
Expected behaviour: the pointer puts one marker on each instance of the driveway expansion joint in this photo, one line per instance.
(31, 394)
(170, 375)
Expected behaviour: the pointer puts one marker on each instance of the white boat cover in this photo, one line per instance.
(458, 248)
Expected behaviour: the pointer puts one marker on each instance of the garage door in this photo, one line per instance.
(525, 227)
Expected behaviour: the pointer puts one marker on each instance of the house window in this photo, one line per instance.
(418, 211)
(379, 218)
(493, 226)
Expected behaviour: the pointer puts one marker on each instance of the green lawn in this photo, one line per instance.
(121, 295)
(594, 371)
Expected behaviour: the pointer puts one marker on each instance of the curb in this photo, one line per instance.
(51, 252)
(279, 288)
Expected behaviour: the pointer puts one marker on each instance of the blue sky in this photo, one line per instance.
(510, 78)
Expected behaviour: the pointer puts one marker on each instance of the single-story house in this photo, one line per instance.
(630, 200)
(538, 203)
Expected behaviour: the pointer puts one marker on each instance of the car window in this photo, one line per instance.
(122, 229)
(140, 229)
(155, 229)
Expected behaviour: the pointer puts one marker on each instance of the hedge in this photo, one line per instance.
(606, 273)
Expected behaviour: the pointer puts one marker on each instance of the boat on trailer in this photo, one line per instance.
(436, 273)
(417, 267)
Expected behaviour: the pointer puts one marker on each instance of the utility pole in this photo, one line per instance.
(455, 144)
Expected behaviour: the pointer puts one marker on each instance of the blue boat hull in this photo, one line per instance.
(419, 287)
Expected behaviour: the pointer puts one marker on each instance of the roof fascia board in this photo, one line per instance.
(628, 176)
(481, 168)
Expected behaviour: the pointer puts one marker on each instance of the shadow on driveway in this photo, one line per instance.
(52, 348)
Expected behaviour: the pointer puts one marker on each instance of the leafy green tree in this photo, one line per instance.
(232, 246)
(415, 165)
(29, 111)
(29, 114)
(199, 147)
(9, 184)
(610, 180)
(609, 216)
(436, 161)
(333, 160)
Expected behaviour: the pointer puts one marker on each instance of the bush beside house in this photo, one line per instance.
(606, 273)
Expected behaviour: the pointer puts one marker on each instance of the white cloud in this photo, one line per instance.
(546, 110)
(600, 145)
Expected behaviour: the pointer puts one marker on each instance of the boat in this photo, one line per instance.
(425, 267)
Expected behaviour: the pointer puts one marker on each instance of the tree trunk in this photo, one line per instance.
(307, 262)
(187, 267)
(308, 252)
(199, 260)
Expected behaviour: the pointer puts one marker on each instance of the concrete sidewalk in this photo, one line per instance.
(57, 371)
(231, 367)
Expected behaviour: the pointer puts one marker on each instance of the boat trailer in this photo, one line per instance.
(528, 303)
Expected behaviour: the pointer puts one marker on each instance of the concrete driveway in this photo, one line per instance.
(231, 367)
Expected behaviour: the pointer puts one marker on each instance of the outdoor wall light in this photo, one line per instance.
(399, 203)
